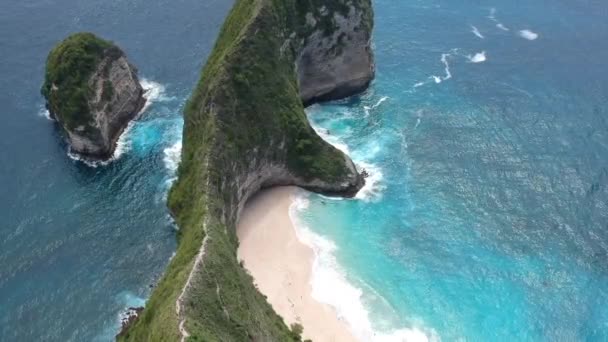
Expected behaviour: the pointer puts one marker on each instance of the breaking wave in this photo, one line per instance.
(153, 92)
(476, 32)
(374, 186)
(529, 35)
(502, 27)
(479, 57)
(122, 145)
(43, 112)
(331, 286)
(172, 157)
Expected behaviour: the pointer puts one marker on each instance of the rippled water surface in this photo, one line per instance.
(485, 136)
(79, 245)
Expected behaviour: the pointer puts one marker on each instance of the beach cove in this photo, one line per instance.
(282, 265)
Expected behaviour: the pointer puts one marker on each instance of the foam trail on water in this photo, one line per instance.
(502, 27)
(479, 57)
(444, 60)
(330, 285)
(419, 84)
(529, 35)
(438, 79)
(384, 98)
(368, 108)
(492, 17)
(476, 32)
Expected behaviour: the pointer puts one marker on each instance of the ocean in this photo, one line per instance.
(485, 216)
(79, 244)
(485, 134)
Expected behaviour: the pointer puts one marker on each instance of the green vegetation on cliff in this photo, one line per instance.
(244, 115)
(68, 68)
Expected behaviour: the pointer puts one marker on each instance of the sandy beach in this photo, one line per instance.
(282, 266)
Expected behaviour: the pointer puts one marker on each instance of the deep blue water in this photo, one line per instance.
(485, 218)
(78, 245)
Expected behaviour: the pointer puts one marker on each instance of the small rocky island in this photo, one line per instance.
(93, 92)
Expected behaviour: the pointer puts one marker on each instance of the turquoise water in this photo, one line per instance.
(80, 244)
(484, 218)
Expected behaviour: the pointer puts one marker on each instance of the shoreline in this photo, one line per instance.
(282, 265)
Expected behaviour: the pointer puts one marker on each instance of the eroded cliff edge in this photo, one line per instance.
(92, 91)
(245, 128)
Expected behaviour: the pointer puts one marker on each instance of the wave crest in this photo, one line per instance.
(476, 32)
(331, 286)
(479, 57)
(529, 35)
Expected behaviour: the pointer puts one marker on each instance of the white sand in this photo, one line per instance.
(282, 266)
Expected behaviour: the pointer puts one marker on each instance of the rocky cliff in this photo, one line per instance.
(335, 58)
(246, 129)
(93, 92)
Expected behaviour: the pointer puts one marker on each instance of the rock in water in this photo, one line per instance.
(93, 92)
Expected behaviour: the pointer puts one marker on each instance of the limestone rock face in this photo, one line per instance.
(93, 92)
(245, 129)
(336, 58)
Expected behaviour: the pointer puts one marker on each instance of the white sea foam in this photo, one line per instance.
(529, 35)
(479, 57)
(153, 92)
(332, 139)
(374, 185)
(492, 17)
(502, 27)
(122, 145)
(438, 79)
(444, 60)
(367, 109)
(172, 157)
(384, 98)
(331, 286)
(419, 84)
(43, 112)
(476, 32)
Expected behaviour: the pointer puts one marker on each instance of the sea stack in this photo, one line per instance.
(93, 92)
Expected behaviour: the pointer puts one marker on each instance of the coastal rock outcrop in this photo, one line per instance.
(335, 59)
(93, 92)
(245, 129)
